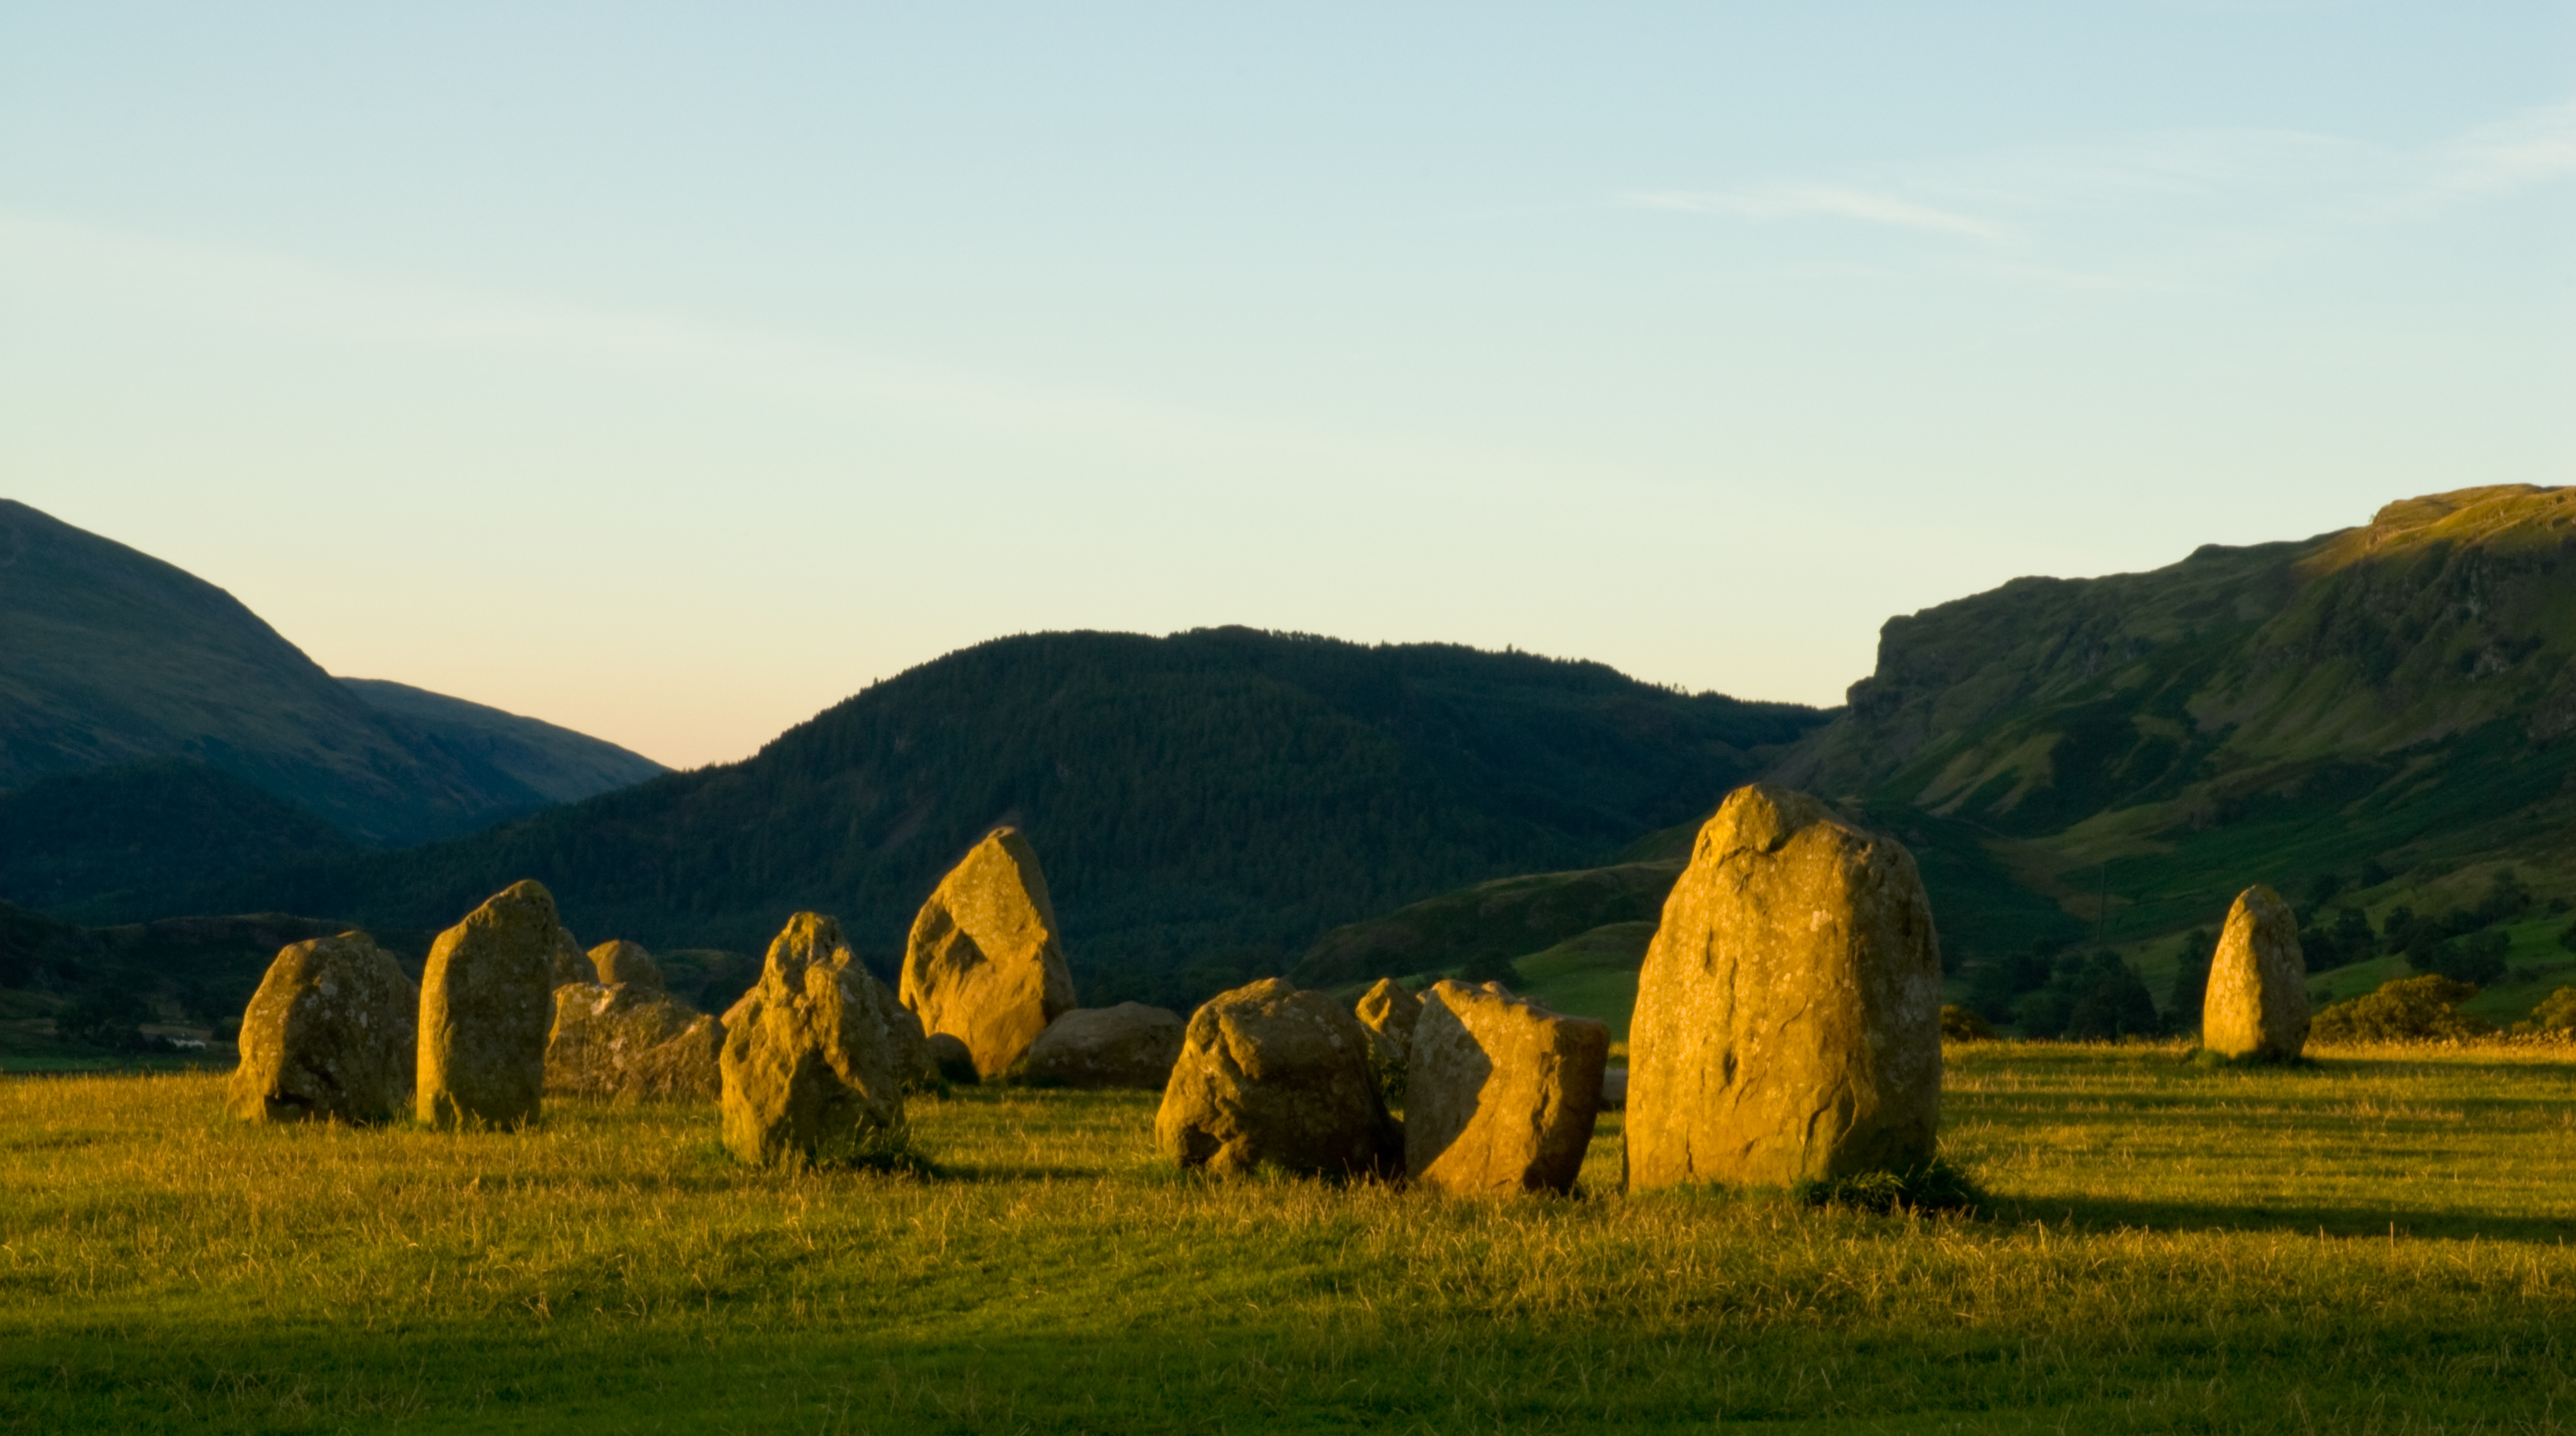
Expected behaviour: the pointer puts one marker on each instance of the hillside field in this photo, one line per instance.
(2376, 1242)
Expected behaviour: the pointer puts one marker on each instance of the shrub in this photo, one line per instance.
(2191, 975)
(2410, 1009)
(2556, 1013)
(1964, 1024)
(2477, 959)
(1938, 1187)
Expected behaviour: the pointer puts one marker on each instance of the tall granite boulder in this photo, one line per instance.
(329, 1036)
(1271, 1076)
(627, 964)
(1788, 1014)
(1130, 1045)
(630, 1040)
(1501, 1093)
(486, 1005)
(984, 962)
(1388, 1013)
(2257, 1007)
(813, 1061)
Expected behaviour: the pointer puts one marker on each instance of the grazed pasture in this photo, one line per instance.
(2374, 1243)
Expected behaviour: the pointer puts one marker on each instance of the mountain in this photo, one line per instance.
(2121, 755)
(557, 764)
(1205, 804)
(2379, 722)
(109, 658)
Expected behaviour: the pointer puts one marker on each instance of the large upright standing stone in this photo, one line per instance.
(329, 1036)
(486, 1003)
(984, 963)
(1501, 1093)
(813, 1061)
(1788, 1019)
(2257, 1005)
(1272, 1076)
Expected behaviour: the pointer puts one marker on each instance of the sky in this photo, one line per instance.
(674, 372)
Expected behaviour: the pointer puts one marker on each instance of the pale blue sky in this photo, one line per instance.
(673, 372)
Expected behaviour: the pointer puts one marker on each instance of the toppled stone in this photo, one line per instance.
(631, 1043)
(1788, 1015)
(1130, 1045)
(984, 963)
(2257, 1006)
(812, 1062)
(328, 1037)
(486, 1005)
(627, 964)
(1269, 1075)
(1501, 1093)
(1387, 1012)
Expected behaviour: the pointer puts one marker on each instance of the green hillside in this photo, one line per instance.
(1205, 804)
(109, 657)
(2376, 722)
(96, 841)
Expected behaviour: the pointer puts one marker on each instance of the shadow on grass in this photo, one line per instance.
(2112, 1214)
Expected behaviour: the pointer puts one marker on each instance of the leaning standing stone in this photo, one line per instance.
(1501, 1093)
(329, 1036)
(1269, 1075)
(486, 1004)
(1788, 1016)
(2257, 1005)
(1130, 1045)
(813, 1065)
(984, 962)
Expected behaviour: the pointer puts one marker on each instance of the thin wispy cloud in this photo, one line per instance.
(1825, 201)
(2534, 147)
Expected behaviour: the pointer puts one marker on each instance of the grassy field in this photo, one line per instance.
(2374, 1243)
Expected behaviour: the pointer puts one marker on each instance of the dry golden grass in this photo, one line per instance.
(2376, 1242)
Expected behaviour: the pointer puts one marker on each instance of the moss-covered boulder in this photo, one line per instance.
(1501, 1093)
(1788, 1023)
(329, 1036)
(2257, 1006)
(486, 1005)
(1130, 1045)
(1273, 1076)
(984, 962)
(813, 1066)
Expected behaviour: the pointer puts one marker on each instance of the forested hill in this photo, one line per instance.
(1211, 800)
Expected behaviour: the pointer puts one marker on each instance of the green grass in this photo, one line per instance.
(1591, 975)
(2375, 1242)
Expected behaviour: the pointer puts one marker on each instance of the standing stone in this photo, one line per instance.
(486, 1005)
(627, 964)
(328, 1036)
(1501, 1093)
(1269, 1075)
(1130, 1045)
(1788, 1015)
(812, 1063)
(2257, 1005)
(950, 1057)
(631, 1042)
(984, 962)
(1388, 1012)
